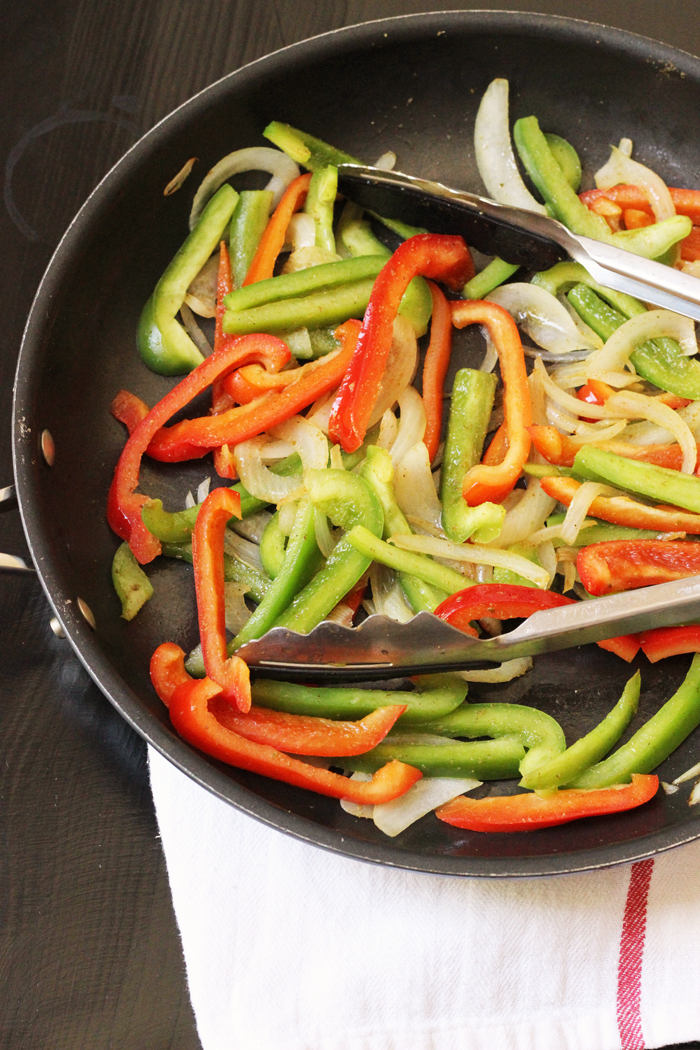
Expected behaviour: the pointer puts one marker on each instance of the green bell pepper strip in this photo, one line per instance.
(378, 472)
(304, 282)
(537, 731)
(542, 167)
(655, 741)
(564, 768)
(470, 409)
(645, 479)
(130, 582)
(235, 571)
(433, 697)
(483, 759)
(358, 240)
(330, 306)
(561, 278)
(348, 501)
(547, 470)
(323, 341)
(602, 532)
(301, 560)
(249, 219)
(272, 547)
(660, 360)
(501, 575)
(497, 271)
(407, 562)
(315, 154)
(567, 158)
(320, 199)
(163, 343)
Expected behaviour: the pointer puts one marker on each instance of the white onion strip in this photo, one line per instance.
(620, 168)
(400, 368)
(387, 595)
(628, 405)
(425, 796)
(494, 152)
(412, 423)
(542, 316)
(651, 434)
(237, 612)
(507, 671)
(474, 553)
(254, 158)
(529, 515)
(307, 439)
(578, 509)
(414, 487)
(638, 330)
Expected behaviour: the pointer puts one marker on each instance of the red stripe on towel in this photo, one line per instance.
(629, 969)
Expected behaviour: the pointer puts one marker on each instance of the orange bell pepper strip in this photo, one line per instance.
(129, 409)
(686, 202)
(619, 510)
(252, 380)
(623, 565)
(224, 463)
(123, 503)
(559, 449)
(690, 247)
(231, 673)
(528, 812)
(491, 483)
(307, 734)
(189, 702)
(443, 258)
(272, 240)
(173, 444)
(496, 452)
(670, 641)
(437, 360)
(635, 219)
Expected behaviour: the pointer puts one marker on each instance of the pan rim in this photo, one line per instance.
(25, 451)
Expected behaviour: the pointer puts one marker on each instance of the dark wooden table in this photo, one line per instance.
(89, 952)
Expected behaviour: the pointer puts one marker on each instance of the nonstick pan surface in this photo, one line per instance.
(411, 84)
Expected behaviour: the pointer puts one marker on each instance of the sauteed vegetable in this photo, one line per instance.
(334, 512)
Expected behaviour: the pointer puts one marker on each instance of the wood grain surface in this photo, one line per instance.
(90, 957)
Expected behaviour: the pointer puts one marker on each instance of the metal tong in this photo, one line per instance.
(383, 648)
(518, 236)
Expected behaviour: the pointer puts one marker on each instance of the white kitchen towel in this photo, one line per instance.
(289, 947)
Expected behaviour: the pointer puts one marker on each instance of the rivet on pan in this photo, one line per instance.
(87, 613)
(55, 625)
(48, 447)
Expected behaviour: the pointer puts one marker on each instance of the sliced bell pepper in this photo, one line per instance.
(656, 739)
(498, 446)
(440, 257)
(622, 511)
(251, 381)
(670, 641)
(646, 479)
(130, 582)
(272, 240)
(188, 701)
(498, 600)
(235, 571)
(123, 504)
(129, 409)
(626, 646)
(493, 275)
(320, 199)
(173, 444)
(308, 734)
(686, 202)
(248, 222)
(493, 483)
(528, 812)
(623, 565)
(406, 563)
(559, 449)
(437, 360)
(484, 759)
(224, 462)
(231, 673)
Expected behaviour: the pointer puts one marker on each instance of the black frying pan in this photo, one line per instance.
(411, 84)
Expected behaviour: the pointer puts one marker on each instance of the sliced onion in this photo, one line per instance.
(274, 451)
(194, 331)
(387, 161)
(414, 487)
(693, 268)
(548, 558)
(303, 258)
(336, 458)
(542, 316)
(387, 595)
(325, 539)
(177, 181)
(242, 549)
(321, 411)
(694, 771)
(412, 423)
(254, 158)
(287, 515)
(394, 817)
(694, 796)
(301, 231)
(203, 288)
(625, 146)
(491, 356)
(307, 439)
(237, 612)
(620, 168)
(508, 670)
(529, 514)
(578, 509)
(475, 553)
(203, 490)
(400, 368)
(299, 342)
(494, 152)
(355, 808)
(630, 405)
(651, 434)
(388, 429)
(589, 432)
(638, 330)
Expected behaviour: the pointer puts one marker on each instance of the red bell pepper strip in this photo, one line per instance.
(252, 380)
(173, 444)
(623, 565)
(230, 673)
(690, 247)
(626, 646)
(670, 641)
(129, 409)
(433, 255)
(437, 360)
(123, 504)
(686, 202)
(492, 483)
(308, 734)
(272, 240)
(559, 449)
(188, 700)
(528, 812)
(496, 452)
(619, 510)
(634, 219)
